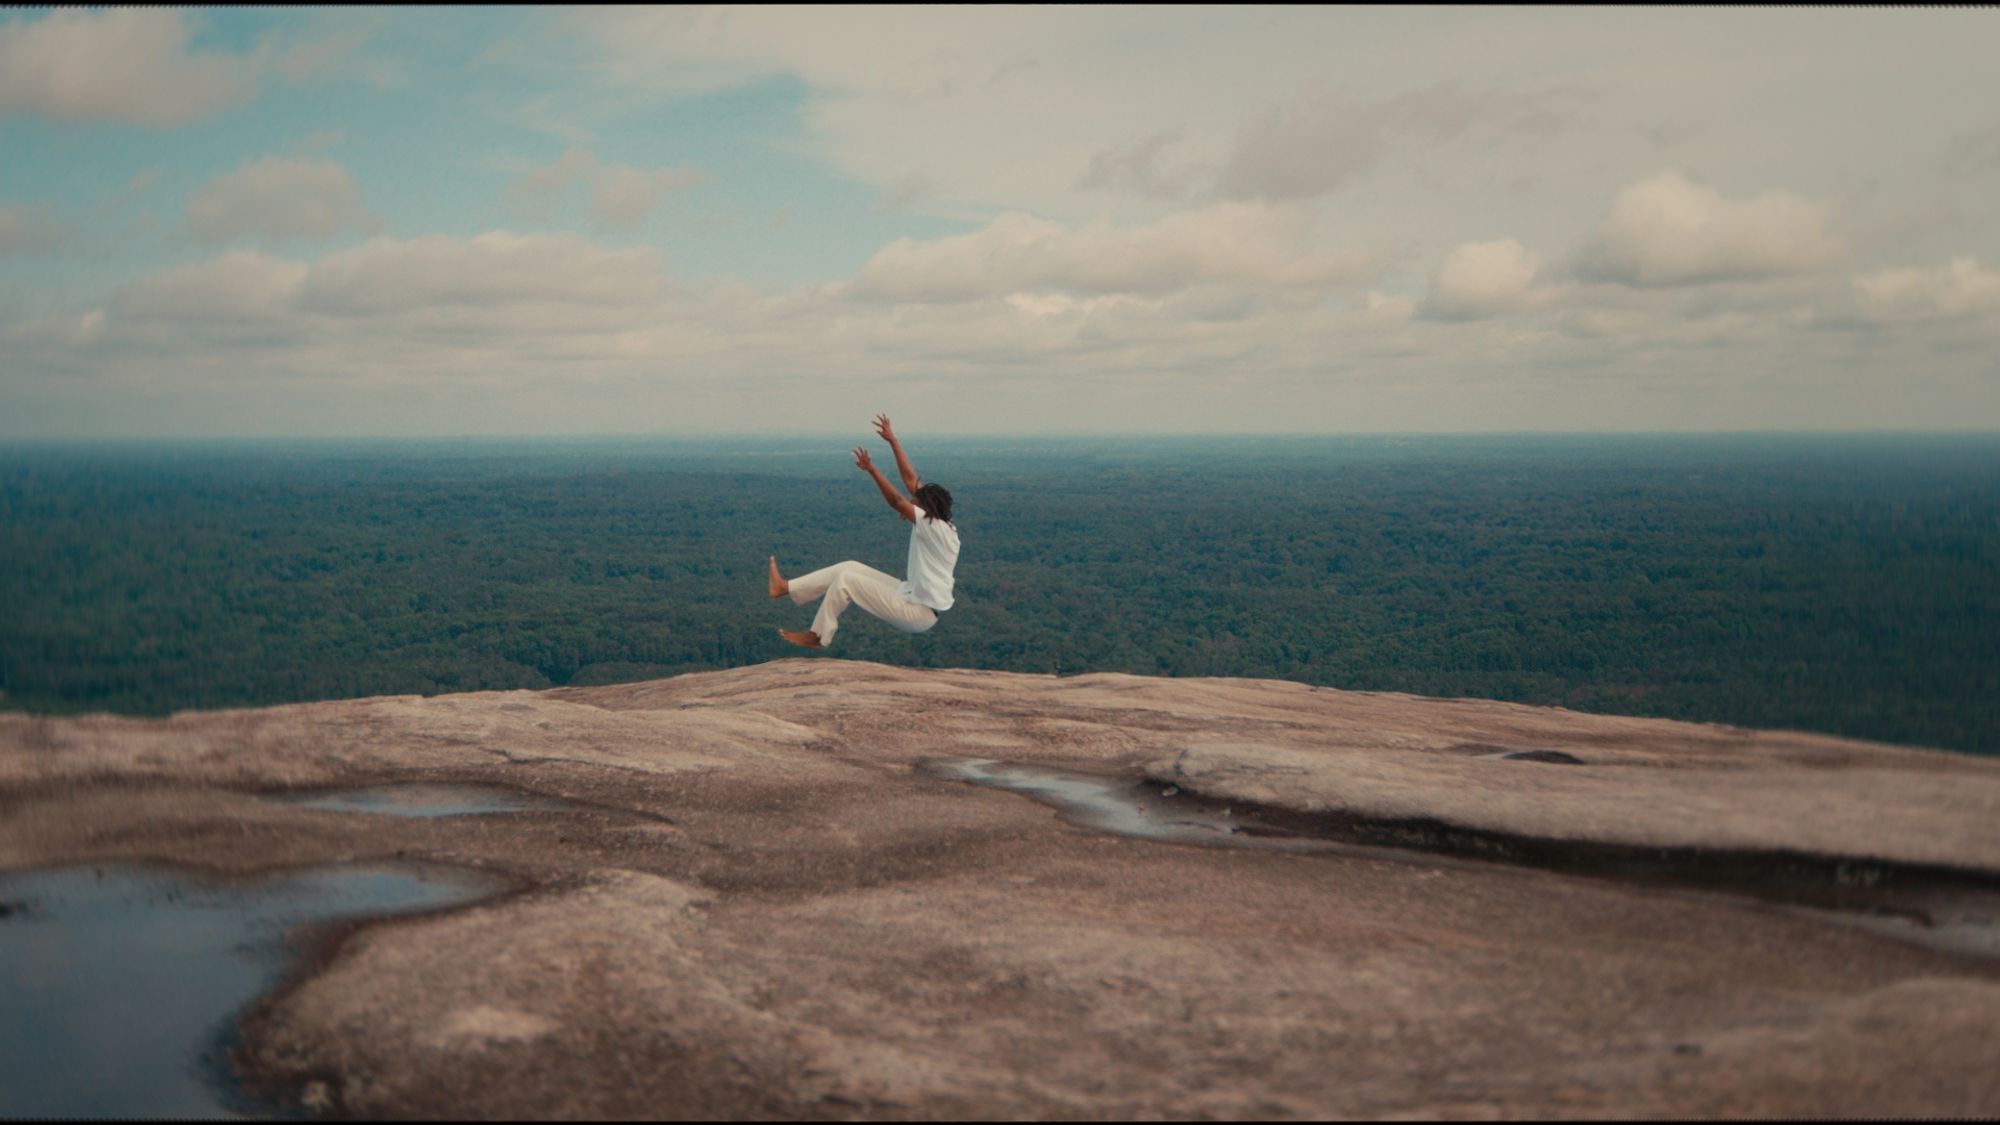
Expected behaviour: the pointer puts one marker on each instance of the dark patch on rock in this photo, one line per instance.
(1555, 756)
(1480, 749)
(1865, 886)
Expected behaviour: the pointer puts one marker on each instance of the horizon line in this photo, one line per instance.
(960, 435)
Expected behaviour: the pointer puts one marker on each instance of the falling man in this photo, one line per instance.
(912, 604)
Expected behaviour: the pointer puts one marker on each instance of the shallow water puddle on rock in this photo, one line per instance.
(422, 800)
(1953, 911)
(1116, 806)
(119, 990)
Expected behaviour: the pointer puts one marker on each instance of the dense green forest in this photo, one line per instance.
(1846, 584)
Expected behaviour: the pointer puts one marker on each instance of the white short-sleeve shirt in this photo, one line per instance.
(933, 554)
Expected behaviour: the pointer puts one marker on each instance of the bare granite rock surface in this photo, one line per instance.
(755, 902)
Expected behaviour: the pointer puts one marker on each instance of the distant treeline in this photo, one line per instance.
(1849, 584)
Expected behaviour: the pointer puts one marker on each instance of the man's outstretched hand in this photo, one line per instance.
(896, 499)
(903, 468)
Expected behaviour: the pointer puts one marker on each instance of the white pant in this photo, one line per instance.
(852, 582)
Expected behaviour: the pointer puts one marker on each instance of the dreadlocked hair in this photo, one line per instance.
(935, 502)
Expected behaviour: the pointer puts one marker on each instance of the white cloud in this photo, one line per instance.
(1036, 306)
(622, 196)
(1974, 152)
(1381, 308)
(1080, 147)
(1247, 244)
(125, 65)
(508, 332)
(1309, 147)
(278, 198)
(1482, 279)
(1139, 168)
(510, 285)
(506, 306)
(495, 269)
(1299, 151)
(1461, 121)
(496, 311)
(236, 286)
(61, 330)
(907, 193)
(535, 192)
(27, 228)
(1959, 290)
(1063, 109)
(626, 195)
(1669, 230)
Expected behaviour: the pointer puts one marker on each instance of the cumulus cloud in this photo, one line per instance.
(126, 65)
(1972, 152)
(906, 193)
(26, 228)
(1381, 308)
(1962, 289)
(236, 286)
(536, 191)
(1312, 146)
(1482, 279)
(1669, 230)
(278, 198)
(942, 92)
(493, 269)
(391, 282)
(622, 196)
(61, 330)
(561, 307)
(626, 195)
(1083, 132)
(1304, 150)
(551, 332)
(1036, 306)
(1021, 253)
(1138, 168)
(475, 309)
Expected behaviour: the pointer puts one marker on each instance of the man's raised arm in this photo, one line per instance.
(903, 505)
(910, 480)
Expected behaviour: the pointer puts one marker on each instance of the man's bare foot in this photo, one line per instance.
(779, 587)
(807, 639)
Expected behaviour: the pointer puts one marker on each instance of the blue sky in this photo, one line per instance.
(432, 82)
(272, 222)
